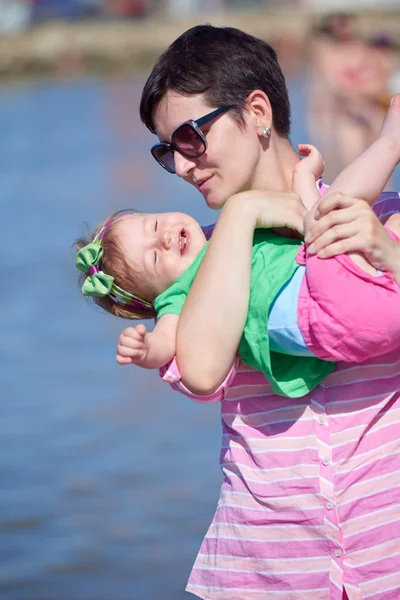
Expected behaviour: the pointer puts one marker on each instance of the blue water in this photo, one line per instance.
(108, 480)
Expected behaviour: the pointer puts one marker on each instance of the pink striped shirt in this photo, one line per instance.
(310, 501)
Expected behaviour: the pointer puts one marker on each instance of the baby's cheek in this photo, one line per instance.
(173, 270)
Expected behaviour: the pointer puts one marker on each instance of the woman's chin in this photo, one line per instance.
(214, 201)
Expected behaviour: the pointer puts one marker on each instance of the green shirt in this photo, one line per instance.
(273, 265)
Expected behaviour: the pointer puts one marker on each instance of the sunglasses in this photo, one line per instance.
(187, 139)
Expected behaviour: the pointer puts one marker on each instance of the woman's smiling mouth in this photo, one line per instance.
(202, 185)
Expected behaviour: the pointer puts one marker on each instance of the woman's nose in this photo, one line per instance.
(183, 165)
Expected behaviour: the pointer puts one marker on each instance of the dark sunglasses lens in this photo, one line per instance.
(188, 141)
(164, 157)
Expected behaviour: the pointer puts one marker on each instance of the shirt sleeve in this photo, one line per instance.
(172, 300)
(170, 374)
(387, 204)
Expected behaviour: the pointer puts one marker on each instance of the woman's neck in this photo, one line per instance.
(275, 172)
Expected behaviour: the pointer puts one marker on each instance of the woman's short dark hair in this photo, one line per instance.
(225, 65)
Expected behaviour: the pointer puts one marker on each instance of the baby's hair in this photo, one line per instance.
(113, 263)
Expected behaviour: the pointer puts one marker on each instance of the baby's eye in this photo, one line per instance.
(156, 225)
(155, 257)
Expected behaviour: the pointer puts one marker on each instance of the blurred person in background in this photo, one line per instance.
(310, 497)
(349, 89)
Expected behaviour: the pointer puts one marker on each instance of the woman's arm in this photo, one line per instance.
(213, 317)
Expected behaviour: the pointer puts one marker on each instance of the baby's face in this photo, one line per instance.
(159, 247)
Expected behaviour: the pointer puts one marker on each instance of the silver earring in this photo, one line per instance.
(267, 131)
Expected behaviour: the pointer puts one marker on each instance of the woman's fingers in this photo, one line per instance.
(334, 235)
(345, 225)
(336, 201)
(332, 220)
(343, 246)
(361, 234)
(336, 210)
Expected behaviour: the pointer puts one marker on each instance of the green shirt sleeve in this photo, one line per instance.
(172, 300)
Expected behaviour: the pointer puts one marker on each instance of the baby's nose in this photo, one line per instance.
(166, 240)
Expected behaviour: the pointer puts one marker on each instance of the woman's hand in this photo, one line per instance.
(271, 209)
(340, 224)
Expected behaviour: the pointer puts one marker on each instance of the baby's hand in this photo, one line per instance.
(133, 347)
(312, 163)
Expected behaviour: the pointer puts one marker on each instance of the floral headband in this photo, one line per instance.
(98, 283)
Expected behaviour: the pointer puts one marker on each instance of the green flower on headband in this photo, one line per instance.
(87, 260)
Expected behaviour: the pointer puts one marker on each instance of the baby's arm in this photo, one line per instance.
(148, 350)
(366, 176)
(305, 174)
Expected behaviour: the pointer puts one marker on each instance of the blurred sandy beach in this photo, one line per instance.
(99, 47)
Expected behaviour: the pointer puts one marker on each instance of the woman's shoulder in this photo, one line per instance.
(207, 230)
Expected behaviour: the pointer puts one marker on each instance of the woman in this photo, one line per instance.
(310, 491)
(348, 90)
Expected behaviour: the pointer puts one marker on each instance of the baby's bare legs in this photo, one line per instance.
(390, 130)
(366, 176)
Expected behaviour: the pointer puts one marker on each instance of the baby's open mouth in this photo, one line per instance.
(183, 241)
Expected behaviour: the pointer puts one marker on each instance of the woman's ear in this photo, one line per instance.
(258, 108)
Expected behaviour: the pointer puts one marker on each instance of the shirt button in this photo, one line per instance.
(321, 421)
(329, 505)
(338, 552)
(325, 461)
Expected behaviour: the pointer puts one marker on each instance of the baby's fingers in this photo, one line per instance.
(123, 360)
(304, 150)
(133, 335)
(128, 356)
(141, 329)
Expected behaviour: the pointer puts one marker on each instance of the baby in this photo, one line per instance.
(303, 311)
